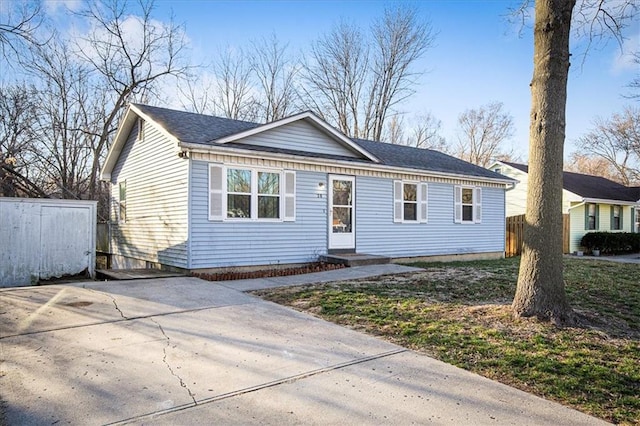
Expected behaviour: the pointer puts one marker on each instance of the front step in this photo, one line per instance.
(355, 259)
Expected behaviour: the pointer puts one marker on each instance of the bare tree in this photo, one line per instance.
(196, 95)
(400, 39)
(540, 291)
(129, 68)
(395, 132)
(234, 97)
(337, 75)
(275, 72)
(357, 80)
(228, 92)
(592, 165)
(617, 141)
(423, 131)
(634, 85)
(482, 133)
(18, 25)
(17, 140)
(63, 151)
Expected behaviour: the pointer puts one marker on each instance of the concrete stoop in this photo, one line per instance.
(355, 259)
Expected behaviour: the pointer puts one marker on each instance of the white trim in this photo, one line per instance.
(458, 205)
(613, 202)
(222, 192)
(151, 120)
(289, 197)
(399, 201)
(218, 193)
(348, 240)
(423, 202)
(307, 115)
(347, 165)
(477, 204)
(132, 114)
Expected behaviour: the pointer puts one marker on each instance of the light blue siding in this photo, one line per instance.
(223, 244)
(378, 234)
(156, 180)
(299, 136)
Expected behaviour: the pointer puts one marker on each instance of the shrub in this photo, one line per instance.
(611, 242)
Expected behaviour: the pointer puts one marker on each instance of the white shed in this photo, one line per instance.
(45, 238)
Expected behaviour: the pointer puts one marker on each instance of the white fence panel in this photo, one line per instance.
(43, 238)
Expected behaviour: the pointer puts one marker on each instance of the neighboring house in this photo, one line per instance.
(593, 203)
(192, 191)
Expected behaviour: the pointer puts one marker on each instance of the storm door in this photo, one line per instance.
(342, 212)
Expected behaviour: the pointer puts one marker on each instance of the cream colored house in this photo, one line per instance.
(593, 203)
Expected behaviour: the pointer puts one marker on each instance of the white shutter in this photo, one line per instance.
(216, 194)
(423, 203)
(289, 196)
(398, 199)
(457, 204)
(477, 205)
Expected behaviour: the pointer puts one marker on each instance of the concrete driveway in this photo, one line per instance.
(187, 351)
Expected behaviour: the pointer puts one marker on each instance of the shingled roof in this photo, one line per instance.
(195, 128)
(205, 129)
(591, 187)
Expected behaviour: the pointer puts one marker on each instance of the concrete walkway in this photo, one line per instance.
(186, 351)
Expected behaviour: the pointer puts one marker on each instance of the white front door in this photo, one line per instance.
(342, 212)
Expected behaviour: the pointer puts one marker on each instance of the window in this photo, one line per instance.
(249, 194)
(410, 201)
(498, 170)
(238, 193)
(141, 125)
(243, 193)
(591, 217)
(122, 201)
(268, 195)
(467, 204)
(616, 217)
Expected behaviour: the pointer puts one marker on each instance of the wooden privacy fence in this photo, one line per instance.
(515, 235)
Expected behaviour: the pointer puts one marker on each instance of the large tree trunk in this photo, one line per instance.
(540, 290)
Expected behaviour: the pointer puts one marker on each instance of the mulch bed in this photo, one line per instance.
(267, 273)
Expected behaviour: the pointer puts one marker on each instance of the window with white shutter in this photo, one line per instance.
(424, 202)
(289, 196)
(397, 201)
(457, 204)
(217, 205)
(467, 204)
(409, 202)
(237, 193)
(477, 205)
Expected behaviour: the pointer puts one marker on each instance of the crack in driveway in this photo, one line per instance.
(164, 359)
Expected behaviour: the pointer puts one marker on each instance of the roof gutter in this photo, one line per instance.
(604, 201)
(577, 205)
(198, 148)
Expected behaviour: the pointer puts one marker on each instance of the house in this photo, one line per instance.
(593, 203)
(192, 191)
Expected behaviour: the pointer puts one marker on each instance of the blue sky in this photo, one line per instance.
(478, 56)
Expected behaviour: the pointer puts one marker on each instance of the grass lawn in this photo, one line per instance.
(460, 313)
